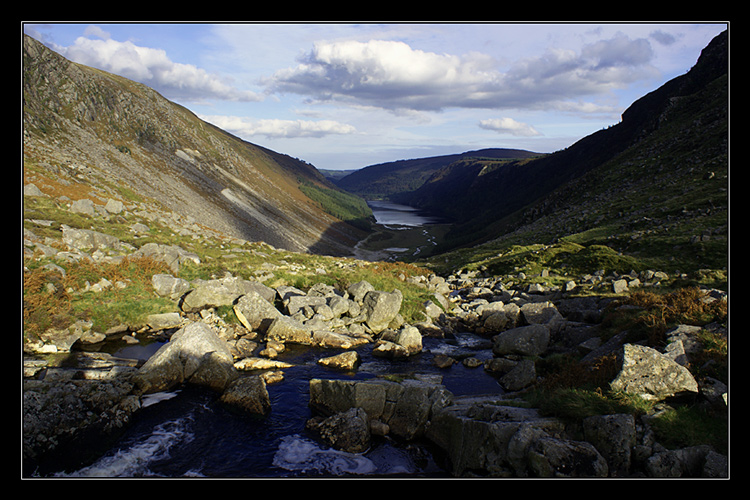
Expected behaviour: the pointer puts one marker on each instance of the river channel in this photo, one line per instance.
(187, 433)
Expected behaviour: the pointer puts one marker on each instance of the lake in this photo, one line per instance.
(393, 214)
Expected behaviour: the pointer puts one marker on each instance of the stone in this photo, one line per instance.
(195, 354)
(163, 321)
(84, 206)
(251, 363)
(614, 436)
(531, 340)
(114, 206)
(88, 240)
(357, 291)
(522, 375)
(248, 394)
(344, 361)
(255, 312)
(285, 329)
(552, 457)
(652, 375)
(347, 431)
(381, 308)
(166, 285)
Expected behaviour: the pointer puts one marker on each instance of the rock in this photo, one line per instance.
(84, 206)
(541, 313)
(406, 342)
(333, 340)
(195, 354)
(248, 394)
(88, 240)
(552, 457)
(253, 363)
(166, 285)
(347, 431)
(171, 255)
(255, 312)
(31, 190)
(531, 340)
(163, 321)
(381, 308)
(484, 434)
(405, 407)
(522, 375)
(296, 304)
(344, 361)
(357, 291)
(285, 329)
(620, 286)
(694, 461)
(114, 206)
(614, 436)
(222, 292)
(652, 375)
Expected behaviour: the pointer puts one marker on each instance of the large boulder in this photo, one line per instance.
(531, 340)
(348, 431)
(171, 255)
(652, 375)
(285, 329)
(255, 312)
(195, 354)
(485, 435)
(381, 308)
(399, 344)
(88, 240)
(223, 292)
(404, 407)
(166, 285)
(247, 394)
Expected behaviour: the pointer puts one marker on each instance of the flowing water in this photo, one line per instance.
(188, 433)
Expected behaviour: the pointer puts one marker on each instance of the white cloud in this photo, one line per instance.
(152, 67)
(392, 75)
(508, 126)
(273, 128)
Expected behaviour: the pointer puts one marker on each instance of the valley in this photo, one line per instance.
(503, 293)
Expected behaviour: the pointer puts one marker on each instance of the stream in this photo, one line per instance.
(188, 433)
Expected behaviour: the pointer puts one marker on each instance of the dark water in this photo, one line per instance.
(187, 433)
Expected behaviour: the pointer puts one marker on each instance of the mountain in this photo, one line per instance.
(122, 139)
(662, 170)
(395, 180)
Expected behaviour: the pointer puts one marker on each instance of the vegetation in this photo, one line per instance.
(344, 206)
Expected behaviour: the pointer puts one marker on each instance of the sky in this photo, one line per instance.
(344, 95)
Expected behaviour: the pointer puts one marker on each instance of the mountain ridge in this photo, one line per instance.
(111, 133)
(394, 180)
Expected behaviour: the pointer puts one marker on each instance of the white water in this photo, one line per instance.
(134, 460)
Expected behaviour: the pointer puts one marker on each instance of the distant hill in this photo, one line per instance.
(393, 180)
(117, 136)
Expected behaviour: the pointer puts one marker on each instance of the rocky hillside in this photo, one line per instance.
(124, 141)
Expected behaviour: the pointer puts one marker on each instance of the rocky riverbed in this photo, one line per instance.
(93, 394)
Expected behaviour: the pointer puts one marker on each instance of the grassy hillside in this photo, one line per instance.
(653, 188)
